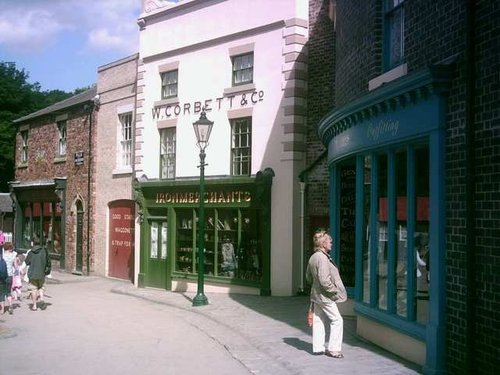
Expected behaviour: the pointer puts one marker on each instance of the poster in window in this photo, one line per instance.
(163, 240)
(347, 223)
(154, 240)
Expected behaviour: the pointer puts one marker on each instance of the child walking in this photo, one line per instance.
(17, 278)
(9, 255)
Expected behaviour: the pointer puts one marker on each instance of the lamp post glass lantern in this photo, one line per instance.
(202, 129)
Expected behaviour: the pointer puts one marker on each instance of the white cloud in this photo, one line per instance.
(103, 39)
(30, 30)
(36, 25)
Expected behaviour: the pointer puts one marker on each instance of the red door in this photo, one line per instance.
(121, 239)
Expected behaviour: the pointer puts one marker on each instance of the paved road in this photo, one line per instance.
(95, 325)
(85, 329)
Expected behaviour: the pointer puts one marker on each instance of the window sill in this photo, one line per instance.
(164, 102)
(122, 171)
(59, 159)
(239, 89)
(22, 165)
(413, 329)
(388, 76)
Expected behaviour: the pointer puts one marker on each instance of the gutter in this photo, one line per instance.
(470, 184)
(302, 182)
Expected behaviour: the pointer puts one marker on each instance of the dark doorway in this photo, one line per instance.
(79, 236)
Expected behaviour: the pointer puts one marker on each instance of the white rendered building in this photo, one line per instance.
(243, 64)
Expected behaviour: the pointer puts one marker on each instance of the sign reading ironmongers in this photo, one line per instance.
(79, 158)
(210, 197)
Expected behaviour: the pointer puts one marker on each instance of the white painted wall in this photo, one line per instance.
(199, 35)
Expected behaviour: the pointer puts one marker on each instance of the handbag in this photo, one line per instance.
(310, 315)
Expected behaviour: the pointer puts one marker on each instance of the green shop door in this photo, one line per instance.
(156, 273)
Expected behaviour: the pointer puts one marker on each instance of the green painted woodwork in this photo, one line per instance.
(237, 209)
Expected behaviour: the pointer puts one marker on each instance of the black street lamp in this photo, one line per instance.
(202, 129)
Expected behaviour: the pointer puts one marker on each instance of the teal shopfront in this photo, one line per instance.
(237, 232)
(386, 164)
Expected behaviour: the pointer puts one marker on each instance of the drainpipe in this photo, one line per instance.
(302, 230)
(302, 178)
(470, 178)
(94, 107)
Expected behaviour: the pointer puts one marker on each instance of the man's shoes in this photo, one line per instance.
(318, 353)
(337, 355)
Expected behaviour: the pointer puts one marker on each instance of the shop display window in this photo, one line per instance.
(395, 254)
(232, 248)
(42, 221)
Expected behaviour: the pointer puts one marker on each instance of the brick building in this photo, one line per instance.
(412, 138)
(54, 147)
(114, 151)
(54, 180)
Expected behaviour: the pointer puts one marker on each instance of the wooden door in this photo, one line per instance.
(121, 239)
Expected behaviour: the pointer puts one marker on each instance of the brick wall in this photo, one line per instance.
(116, 85)
(358, 48)
(321, 84)
(43, 165)
(436, 33)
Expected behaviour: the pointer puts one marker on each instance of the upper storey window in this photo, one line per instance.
(167, 152)
(169, 84)
(61, 148)
(24, 146)
(125, 136)
(242, 69)
(394, 43)
(241, 146)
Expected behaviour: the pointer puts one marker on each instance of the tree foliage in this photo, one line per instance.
(18, 98)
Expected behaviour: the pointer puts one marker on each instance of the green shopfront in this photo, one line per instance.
(237, 233)
(386, 164)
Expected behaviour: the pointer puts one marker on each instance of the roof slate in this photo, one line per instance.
(80, 98)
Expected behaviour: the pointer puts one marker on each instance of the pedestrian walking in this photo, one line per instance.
(326, 291)
(2, 239)
(9, 256)
(37, 260)
(3, 282)
(17, 279)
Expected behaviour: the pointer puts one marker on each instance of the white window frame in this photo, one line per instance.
(124, 157)
(62, 142)
(241, 146)
(242, 68)
(168, 144)
(169, 84)
(24, 146)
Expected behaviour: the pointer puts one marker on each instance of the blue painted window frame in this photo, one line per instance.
(407, 324)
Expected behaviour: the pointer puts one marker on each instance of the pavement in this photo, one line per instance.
(268, 335)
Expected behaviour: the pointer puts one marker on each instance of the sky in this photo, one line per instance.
(61, 43)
